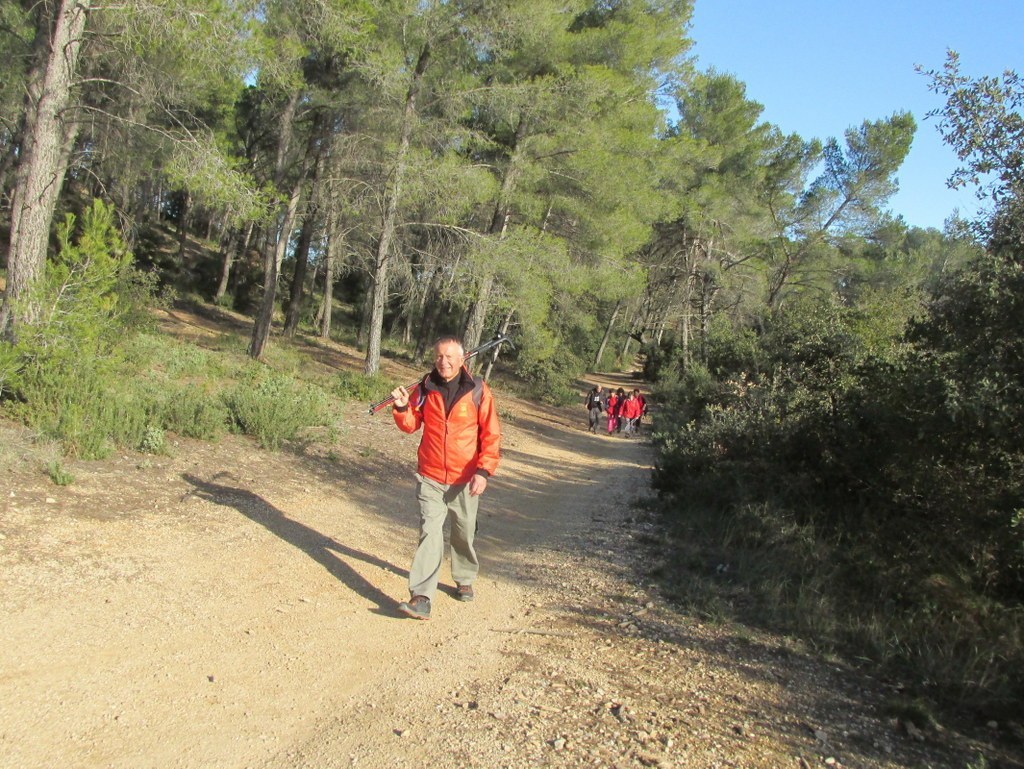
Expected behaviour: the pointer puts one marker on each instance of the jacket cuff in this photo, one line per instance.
(484, 473)
(402, 408)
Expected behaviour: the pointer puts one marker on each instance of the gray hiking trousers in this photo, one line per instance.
(440, 502)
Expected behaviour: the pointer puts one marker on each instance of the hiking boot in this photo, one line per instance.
(417, 607)
(465, 592)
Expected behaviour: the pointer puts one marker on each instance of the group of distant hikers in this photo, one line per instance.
(623, 411)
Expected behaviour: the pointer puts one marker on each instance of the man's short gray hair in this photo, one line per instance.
(447, 340)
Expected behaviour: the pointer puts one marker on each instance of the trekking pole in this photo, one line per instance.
(497, 340)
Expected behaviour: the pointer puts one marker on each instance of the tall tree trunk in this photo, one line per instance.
(709, 289)
(229, 259)
(607, 335)
(636, 325)
(364, 320)
(382, 263)
(49, 133)
(291, 320)
(407, 329)
(333, 234)
(505, 323)
(686, 339)
(432, 303)
(778, 277)
(273, 252)
(158, 201)
(229, 245)
(418, 310)
(478, 313)
(272, 271)
(183, 224)
(499, 225)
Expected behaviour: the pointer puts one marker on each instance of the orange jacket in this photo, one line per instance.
(452, 449)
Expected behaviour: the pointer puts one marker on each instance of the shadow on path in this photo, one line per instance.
(326, 551)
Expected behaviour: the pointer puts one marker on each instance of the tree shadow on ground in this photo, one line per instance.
(326, 551)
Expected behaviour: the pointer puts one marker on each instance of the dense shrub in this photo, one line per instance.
(549, 380)
(351, 385)
(194, 412)
(898, 457)
(274, 407)
(66, 372)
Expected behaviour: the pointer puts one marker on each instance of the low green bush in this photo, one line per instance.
(58, 474)
(154, 441)
(273, 407)
(85, 402)
(194, 412)
(356, 386)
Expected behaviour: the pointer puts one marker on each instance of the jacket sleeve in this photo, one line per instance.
(410, 418)
(489, 433)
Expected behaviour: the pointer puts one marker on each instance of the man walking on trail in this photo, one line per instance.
(596, 402)
(459, 450)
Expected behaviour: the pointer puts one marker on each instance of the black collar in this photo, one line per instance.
(450, 391)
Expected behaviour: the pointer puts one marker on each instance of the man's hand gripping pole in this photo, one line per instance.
(497, 340)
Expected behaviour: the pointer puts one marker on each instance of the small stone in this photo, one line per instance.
(558, 744)
(401, 732)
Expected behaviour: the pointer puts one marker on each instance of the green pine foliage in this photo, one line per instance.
(66, 372)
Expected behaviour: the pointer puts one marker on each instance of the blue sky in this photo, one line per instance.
(821, 66)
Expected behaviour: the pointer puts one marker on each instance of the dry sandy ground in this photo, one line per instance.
(228, 607)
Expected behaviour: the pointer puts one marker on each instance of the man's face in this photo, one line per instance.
(448, 359)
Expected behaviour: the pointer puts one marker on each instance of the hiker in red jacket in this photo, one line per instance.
(643, 408)
(459, 451)
(630, 412)
(613, 411)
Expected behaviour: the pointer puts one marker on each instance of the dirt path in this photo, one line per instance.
(226, 607)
